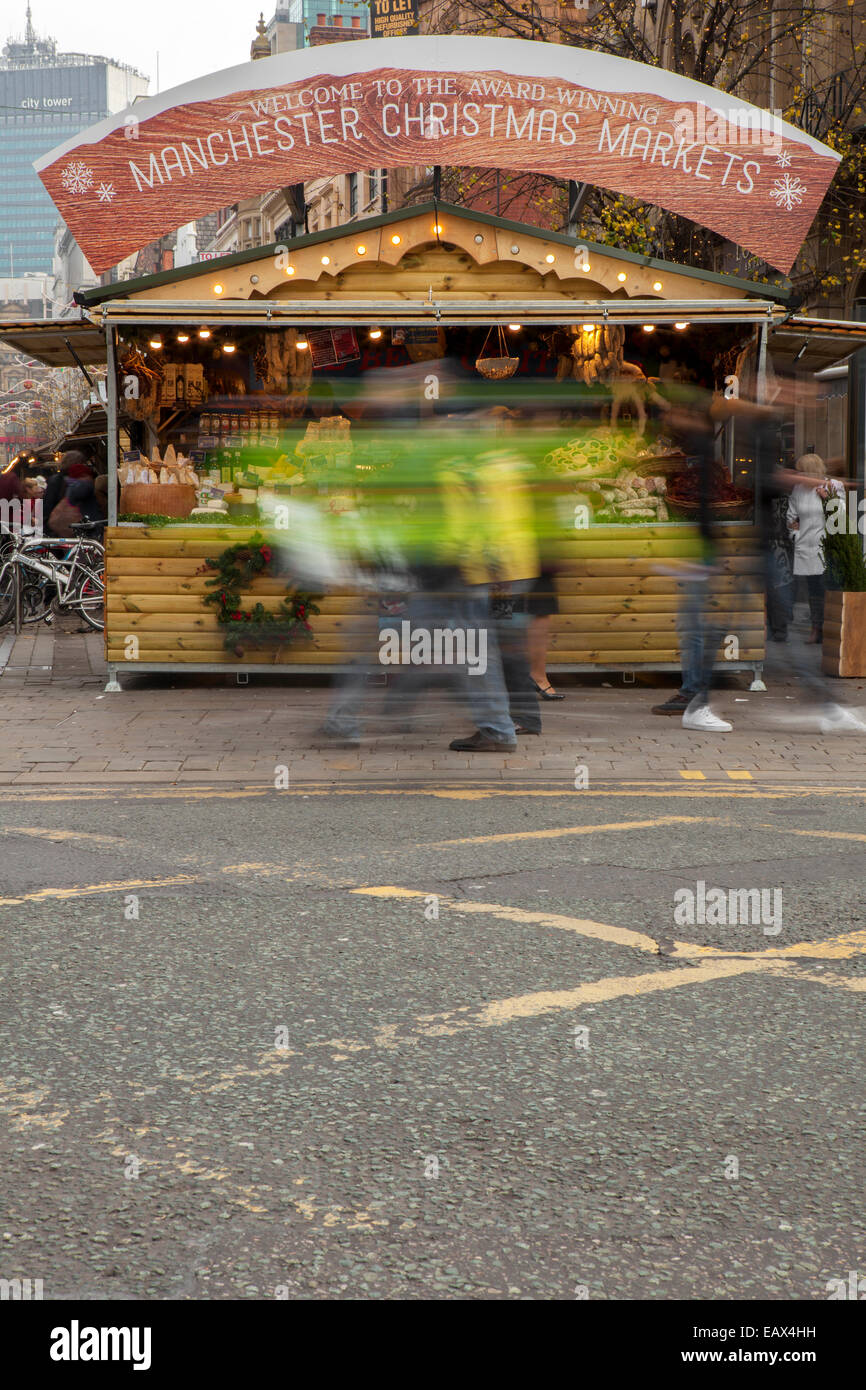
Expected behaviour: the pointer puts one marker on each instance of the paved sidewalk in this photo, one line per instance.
(59, 729)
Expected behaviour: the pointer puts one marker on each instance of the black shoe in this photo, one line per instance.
(522, 730)
(481, 743)
(547, 692)
(677, 704)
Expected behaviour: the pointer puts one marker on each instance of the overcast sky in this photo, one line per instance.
(191, 37)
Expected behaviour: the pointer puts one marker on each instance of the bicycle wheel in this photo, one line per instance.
(89, 600)
(7, 594)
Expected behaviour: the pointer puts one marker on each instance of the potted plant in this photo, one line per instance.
(844, 650)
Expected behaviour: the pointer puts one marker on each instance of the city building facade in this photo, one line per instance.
(45, 97)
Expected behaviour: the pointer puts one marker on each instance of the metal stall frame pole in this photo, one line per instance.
(17, 572)
(760, 396)
(113, 685)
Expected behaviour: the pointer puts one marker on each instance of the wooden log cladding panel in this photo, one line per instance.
(615, 605)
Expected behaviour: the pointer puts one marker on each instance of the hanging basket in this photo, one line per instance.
(497, 368)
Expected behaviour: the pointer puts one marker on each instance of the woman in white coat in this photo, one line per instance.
(806, 520)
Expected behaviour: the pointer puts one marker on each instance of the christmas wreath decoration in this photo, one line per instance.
(236, 568)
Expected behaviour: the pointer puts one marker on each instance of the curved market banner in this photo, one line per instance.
(507, 103)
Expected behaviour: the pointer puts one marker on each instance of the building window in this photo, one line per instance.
(372, 185)
(353, 195)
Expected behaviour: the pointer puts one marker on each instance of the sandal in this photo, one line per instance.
(547, 692)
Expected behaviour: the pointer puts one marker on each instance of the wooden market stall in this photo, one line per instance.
(409, 275)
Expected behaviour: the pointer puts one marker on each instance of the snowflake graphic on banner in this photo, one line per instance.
(783, 159)
(76, 177)
(105, 192)
(788, 191)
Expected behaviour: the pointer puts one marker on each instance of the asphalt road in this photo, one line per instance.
(229, 1072)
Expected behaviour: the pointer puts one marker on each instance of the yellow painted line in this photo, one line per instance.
(500, 1011)
(691, 776)
(855, 986)
(857, 836)
(581, 926)
(842, 947)
(558, 831)
(93, 888)
(739, 775)
(606, 788)
(61, 835)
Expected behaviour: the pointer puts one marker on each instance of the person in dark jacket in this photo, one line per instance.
(81, 494)
(72, 465)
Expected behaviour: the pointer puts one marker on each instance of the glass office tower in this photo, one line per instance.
(45, 97)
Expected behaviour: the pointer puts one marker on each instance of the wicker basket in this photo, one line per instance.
(736, 510)
(158, 499)
(659, 465)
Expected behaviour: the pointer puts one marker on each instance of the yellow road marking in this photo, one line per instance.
(692, 776)
(603, 991)
(60, 835)
(93, 888)
(558, 831)
(581, 926)
(618, 790)
(855, 985)
(842, 947)
(819, 834)
(740, 775)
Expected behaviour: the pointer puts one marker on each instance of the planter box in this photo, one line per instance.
(844, 650)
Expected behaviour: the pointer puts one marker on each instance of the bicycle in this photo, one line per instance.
(73, 580)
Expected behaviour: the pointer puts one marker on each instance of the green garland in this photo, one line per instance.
(236, 568)
(156, 520)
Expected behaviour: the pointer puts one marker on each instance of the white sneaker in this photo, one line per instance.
(836, 719)
(703, 720)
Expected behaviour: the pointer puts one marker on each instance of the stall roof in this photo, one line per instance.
(487, 239)
(812, 344)
(50, 341)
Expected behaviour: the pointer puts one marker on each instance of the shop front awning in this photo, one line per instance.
(57, 342)
(444, 312)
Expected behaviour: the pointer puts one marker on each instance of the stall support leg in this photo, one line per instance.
(17, 573)
(113, 687)
(758, 677)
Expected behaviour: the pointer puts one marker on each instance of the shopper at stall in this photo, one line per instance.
(698, 623)
(542, 604)
(81, 494)
(73, 465)
(807, 523)
(10, 485)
